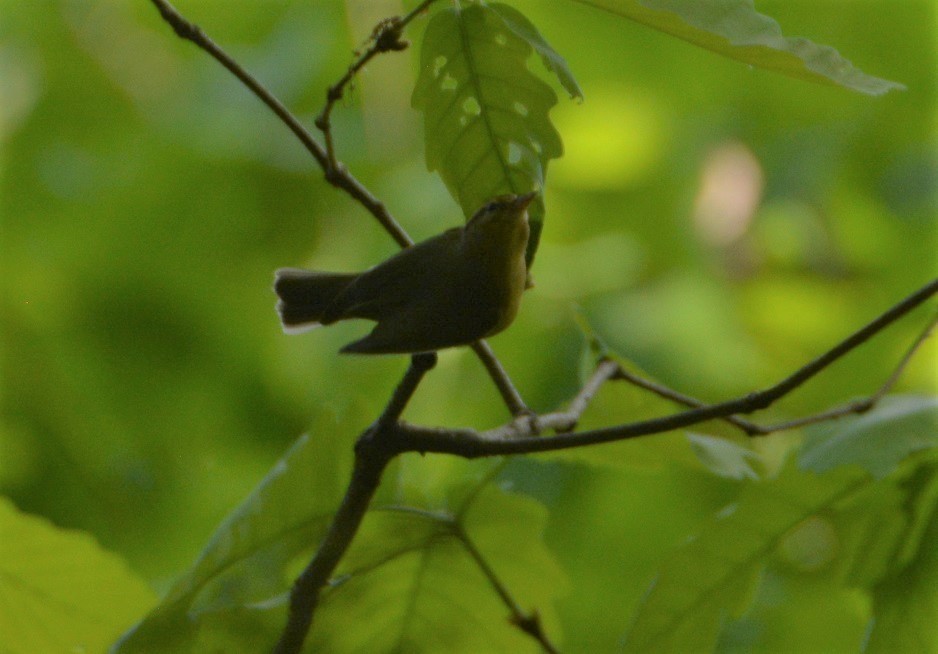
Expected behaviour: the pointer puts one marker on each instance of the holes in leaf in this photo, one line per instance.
(520, 108)
(449, 82)
(471, 106)
(514, 153)
(438, 64)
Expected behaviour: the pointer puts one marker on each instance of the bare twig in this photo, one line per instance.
(754, 429)
(566, 421)
(529, 623)
(385, 38)
(750, 428)
(509, 393)
(512, 439)
(338, 175)
(862, 405)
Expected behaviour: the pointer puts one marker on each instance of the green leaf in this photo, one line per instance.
(520, 25)
(734, 28)
(905, 606)
(878, 440)
(59, 591)
(408, 574)
(245, 563)
(723, 457)
(486, 121)
(711, 577)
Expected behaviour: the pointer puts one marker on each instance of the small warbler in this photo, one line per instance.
(452, 289)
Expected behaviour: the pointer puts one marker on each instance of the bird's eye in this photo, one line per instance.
(491, 206)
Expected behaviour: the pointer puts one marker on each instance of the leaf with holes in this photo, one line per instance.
(485, 114)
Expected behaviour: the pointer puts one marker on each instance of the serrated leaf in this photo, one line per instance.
(59, 591)
(734, 28)
(520, 25)
(409, 583)
(486, 123)
(709, 579)
(878, 440)
(245, 561)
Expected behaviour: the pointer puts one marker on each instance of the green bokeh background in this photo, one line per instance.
(146, 198)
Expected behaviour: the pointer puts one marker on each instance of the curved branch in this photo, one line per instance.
(515, 438)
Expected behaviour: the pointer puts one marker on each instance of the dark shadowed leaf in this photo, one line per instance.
(242, 569)
(485, 114)
(710, 579)
(407, 575)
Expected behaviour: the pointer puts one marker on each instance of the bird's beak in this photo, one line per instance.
(522, 201)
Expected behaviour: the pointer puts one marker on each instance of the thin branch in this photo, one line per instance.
(304, 597)
(859, 337)
(750, 428)
(338, 176)
(566, 421)
(865, 404)
(507, 439)
(529, 623)
(754, 429)
(420, 365)
(506, 389)
(386, 37)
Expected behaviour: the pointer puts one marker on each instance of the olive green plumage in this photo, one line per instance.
(452, 289)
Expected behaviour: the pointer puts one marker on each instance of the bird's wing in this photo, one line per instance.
(398, 281)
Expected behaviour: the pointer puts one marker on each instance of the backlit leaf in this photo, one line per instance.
(734, 28)
(486, 119)
(59, 591)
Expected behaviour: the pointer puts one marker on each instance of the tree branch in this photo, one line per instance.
(515, 438)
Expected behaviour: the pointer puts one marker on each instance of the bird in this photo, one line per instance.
(452, 289)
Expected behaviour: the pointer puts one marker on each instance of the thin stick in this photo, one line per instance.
(337, 175)
(506, 389)
(529, 623)
(566, 421)
(385, 38)
(507, 440)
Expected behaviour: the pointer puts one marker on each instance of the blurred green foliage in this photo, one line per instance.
(146, 198)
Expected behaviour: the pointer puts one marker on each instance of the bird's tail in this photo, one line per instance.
(305, 295)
